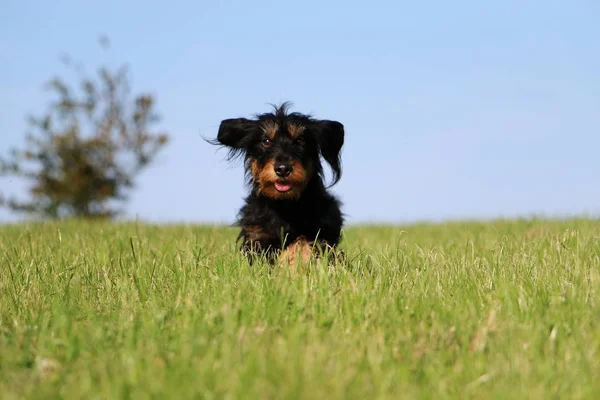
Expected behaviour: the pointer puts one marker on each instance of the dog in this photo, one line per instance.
(289, 212)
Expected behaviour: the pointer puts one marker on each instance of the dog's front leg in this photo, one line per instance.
(300, 250)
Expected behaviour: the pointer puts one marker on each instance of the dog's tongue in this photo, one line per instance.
(283, 187)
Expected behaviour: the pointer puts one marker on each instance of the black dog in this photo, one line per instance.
(288, 211)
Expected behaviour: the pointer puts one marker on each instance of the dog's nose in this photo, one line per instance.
(283, 170)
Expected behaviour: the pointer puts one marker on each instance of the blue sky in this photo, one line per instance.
(460, 109)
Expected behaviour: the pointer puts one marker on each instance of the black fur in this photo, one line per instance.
(269, 223)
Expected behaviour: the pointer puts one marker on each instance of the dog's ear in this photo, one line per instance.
(330, 136)
(235, 133)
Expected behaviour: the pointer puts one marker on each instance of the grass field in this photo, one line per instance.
(506, 309)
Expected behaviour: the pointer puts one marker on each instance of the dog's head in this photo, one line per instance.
(283, 151)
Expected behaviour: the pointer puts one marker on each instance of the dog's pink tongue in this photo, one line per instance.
(283, 187)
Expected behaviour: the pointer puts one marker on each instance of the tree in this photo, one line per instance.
(82, 156)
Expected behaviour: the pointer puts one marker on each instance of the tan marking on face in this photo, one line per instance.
(267, 174)
(266, 178)
(295, 130)
(255, 170)
(270, 128)
(300, 174)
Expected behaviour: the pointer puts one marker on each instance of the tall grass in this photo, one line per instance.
(504, 309)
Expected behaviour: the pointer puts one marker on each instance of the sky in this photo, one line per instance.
(452, 109)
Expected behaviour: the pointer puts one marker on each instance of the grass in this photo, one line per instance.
(504, 309)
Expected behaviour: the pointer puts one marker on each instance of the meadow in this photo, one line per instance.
(498, 309)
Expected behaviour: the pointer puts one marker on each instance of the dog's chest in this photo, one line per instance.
(294, 223)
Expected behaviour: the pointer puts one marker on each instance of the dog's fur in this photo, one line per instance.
(286, 224)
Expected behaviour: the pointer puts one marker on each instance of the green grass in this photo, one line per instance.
(505, 309)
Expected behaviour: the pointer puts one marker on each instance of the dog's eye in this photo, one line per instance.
(299, 142)
(267, 142)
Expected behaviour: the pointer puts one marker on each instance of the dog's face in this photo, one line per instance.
(282, 151)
